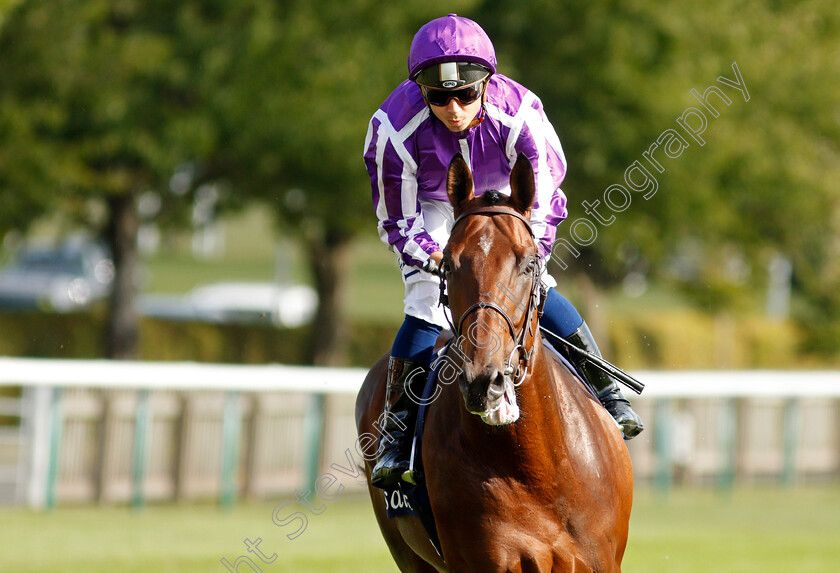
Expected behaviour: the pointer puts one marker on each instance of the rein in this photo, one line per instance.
(535, 302)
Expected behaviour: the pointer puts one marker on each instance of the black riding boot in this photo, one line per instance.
(399, 416)
(605, 387)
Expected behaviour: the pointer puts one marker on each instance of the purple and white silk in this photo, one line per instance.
(408, 150)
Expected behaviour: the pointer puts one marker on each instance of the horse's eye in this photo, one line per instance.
(530, 265)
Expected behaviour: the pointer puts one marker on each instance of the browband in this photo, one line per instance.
(495, 211)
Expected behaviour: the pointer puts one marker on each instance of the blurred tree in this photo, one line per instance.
(96, 100)
(269, 101)
(614, 76)
(295, 85)
(102, 101)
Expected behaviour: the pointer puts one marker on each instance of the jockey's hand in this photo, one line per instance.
(432, 264)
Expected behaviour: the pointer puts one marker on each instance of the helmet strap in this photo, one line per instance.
(483, 112)
(479, 118)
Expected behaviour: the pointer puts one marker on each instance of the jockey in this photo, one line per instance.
(454, 101)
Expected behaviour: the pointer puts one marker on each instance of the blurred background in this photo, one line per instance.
(183, 182)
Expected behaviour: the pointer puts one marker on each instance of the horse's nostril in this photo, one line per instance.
(482, 389)
(499, 379)
(497, 386)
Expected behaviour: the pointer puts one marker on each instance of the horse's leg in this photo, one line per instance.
(369, 404)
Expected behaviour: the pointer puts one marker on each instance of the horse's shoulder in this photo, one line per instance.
(562, 376)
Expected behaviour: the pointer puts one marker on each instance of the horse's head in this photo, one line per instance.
(492, 273)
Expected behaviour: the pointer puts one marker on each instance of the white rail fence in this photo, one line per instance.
(102, 431)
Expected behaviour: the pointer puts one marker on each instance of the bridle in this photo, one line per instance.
(535, 302)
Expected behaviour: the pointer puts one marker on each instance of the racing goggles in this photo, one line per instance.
(465, 95)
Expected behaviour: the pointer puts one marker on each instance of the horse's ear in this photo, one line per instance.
(459, 183)
(522, 185)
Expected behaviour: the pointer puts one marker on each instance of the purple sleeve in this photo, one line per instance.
(393, 177)
(539, 142)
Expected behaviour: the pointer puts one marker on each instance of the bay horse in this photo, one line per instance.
(526, 471)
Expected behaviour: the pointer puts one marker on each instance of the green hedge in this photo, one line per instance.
(43, 335)
(673, 340)
(685, 339)
(80, 335)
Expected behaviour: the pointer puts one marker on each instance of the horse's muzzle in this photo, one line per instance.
(481, 390)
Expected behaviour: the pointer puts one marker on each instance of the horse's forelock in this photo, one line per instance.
(493, 198)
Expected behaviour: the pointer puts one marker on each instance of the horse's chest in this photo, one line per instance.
(507, 526)
(525, 543)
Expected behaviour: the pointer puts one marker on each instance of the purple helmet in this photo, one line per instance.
(450, 39)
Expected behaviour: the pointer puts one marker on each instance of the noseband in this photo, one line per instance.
(535, 301)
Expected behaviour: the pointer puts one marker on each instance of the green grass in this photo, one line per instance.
(749, 531)
(248, 255)
(188, 539)
(690, 531)
(176, 273)
(375, 289)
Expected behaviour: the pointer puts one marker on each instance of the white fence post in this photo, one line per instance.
(36, 421)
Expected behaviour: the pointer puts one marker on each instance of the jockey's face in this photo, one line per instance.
(456, 116)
